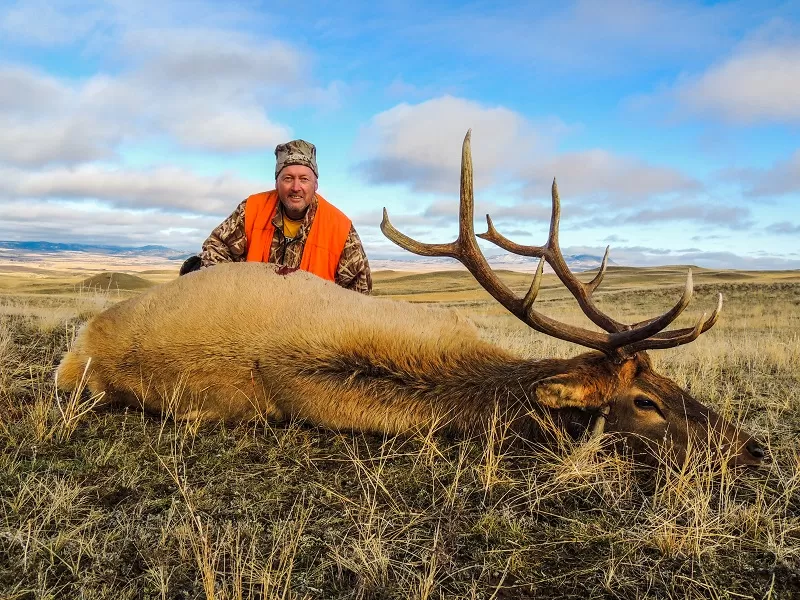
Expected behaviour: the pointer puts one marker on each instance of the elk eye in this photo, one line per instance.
(645, 403)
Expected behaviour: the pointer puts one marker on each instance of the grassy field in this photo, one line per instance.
(115, 504)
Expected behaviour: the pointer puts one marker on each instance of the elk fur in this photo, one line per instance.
(237, 341)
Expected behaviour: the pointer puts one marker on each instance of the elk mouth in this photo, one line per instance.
(746, 454)
(751, 455)
(741, 449)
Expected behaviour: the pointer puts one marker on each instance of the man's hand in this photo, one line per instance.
(192, 263)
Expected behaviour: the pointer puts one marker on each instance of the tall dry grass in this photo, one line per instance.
(99, 502)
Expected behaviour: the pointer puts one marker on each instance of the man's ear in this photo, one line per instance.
(567, 391)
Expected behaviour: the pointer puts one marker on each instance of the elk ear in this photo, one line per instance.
(567, 391)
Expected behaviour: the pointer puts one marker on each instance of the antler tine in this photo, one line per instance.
(466, 206)
(592, 285)
(677, 337)
(581, 291)
(654, 326)
(498, 239)
(466, 236)
(621, 335)
(618, 340)
(413, 245)
(555, 216)
(466, 250)
(552, 253)
(687, 335)
(533, 291)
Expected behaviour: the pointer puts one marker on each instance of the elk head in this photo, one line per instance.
(652, 416)
(616, 383)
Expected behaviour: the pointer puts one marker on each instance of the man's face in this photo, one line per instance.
(296, 185)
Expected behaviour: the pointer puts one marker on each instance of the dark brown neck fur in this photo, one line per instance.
(466, 390)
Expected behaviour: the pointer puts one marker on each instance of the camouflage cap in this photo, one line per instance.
(296, 152)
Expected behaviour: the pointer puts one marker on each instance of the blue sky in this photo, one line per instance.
(673, 128)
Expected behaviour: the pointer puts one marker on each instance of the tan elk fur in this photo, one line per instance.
(240, 341)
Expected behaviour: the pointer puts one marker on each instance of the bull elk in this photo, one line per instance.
(237, 341)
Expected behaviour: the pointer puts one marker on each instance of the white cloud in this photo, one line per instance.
(180, 76)
(163, 188)
(24, 92)
(444, 213)
(203, 88)
(607, 178)
(45, 120)
(643, 256)
(225, 130)
(784, 228)
(731, 216)
(757, 84)
(58, 139)
(78, 222)
(208, 88)
(89, 121)
(400, 89)
(96, 25)
(45, 23)
(421, 144)
(192, 58)
(448, 211)
(780, 179)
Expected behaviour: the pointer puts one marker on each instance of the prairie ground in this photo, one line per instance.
(116, 504)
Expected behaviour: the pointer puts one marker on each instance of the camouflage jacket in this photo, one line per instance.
(228, 243)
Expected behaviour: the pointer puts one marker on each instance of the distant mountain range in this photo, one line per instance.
(576, 262)
(511, 262)
(54, 248)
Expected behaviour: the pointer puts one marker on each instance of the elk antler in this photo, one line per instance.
(618, 340)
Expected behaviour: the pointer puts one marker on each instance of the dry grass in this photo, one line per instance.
(98, 503)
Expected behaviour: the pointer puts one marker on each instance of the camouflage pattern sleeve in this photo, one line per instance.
(353, 271)
(228, 242)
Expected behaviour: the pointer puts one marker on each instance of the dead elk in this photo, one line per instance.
(239, 341)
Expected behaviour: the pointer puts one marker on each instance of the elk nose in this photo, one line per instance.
(755, 450)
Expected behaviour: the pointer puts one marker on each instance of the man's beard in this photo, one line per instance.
(291, 198)
(296, 203)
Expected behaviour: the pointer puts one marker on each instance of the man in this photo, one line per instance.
(292, 226)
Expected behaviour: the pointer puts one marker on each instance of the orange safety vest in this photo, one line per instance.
(324, 244)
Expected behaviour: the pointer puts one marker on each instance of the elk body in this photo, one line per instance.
(239, 341)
